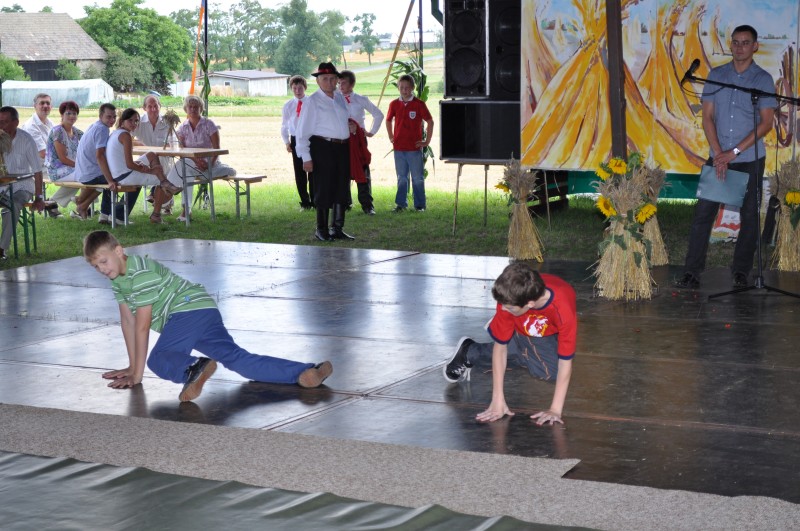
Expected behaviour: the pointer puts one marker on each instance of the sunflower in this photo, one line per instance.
(503, 187)
(603, 173)
(618, 166)
(606, 207)
(792, 198)
(647, 211)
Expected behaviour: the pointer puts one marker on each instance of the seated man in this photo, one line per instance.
(91, 166)
(22, 158)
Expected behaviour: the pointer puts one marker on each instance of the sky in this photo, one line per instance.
(389, 13)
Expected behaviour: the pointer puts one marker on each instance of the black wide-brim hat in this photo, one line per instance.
(325, 68)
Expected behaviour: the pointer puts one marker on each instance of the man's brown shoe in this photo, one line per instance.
(199, 372)
(314, 376)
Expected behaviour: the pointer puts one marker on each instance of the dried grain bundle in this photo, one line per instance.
(524, 242)
(785, 185)
(651, 181)
(173, 121)
(622, 272)
(625, 194)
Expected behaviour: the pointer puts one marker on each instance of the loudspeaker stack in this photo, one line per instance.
(482, 78)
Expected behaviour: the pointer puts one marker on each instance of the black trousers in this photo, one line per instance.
(365, 191)
(331, 172)
(705, 212)
(304, 181)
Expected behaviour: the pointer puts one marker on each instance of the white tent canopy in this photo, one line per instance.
(82, 91)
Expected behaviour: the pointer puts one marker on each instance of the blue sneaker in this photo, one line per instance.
(198, 372)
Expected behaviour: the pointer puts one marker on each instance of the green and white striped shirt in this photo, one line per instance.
(148, 283)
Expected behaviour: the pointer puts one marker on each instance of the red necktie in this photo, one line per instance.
(299, 106)
(347, 98)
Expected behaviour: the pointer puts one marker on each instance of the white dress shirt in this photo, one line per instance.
(23, 158)
(39, 130)
(360, 105)
(321, 116)
(291, 115)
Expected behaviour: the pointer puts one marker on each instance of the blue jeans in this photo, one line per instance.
(406, 162)
(204, 331)
(105, 202)
(537, 354)
(706, 212)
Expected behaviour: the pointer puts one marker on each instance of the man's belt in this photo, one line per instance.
(334, 140)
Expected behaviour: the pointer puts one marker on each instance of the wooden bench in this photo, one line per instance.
(100, 188)
(237, 181)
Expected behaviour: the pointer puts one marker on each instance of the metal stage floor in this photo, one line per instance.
(672, 393)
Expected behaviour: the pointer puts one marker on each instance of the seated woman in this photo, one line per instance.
(59, 159)
(197, 132)
(145, 171)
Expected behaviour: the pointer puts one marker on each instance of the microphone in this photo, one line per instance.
(690, 73)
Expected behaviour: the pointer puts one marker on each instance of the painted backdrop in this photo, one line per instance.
(565, 113)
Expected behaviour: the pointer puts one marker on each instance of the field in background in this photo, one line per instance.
(252, 133)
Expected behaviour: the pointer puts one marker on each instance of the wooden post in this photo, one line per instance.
(616, 79)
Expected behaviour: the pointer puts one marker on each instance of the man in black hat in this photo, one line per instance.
(323, 136)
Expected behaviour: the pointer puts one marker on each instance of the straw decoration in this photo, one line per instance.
(785, 185)
(524, 241)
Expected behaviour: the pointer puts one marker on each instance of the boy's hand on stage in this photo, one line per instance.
(125, 382)
(495, 412)
(546, 417)
(118, 373)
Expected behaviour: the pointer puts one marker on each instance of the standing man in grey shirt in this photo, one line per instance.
(728, 125)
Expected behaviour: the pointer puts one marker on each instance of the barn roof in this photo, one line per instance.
(46, 37)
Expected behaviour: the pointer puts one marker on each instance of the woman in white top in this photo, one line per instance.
(145, 171)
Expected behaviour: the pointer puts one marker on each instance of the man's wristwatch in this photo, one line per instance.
(736, 151)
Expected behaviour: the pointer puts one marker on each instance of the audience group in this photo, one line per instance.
(62, 153)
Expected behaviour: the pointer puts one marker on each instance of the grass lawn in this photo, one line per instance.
(573, 235)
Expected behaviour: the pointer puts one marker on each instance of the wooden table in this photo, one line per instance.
(9, 180)
(184, 153)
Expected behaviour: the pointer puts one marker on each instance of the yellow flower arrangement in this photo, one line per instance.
(602, 173)
(606, 207)
(627, 195)
(618, 166)
(792, 198)
(647, 211)
(503, 187)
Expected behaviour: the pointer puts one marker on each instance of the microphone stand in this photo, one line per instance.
(755, 94)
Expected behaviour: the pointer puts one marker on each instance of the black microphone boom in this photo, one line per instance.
(690, 73)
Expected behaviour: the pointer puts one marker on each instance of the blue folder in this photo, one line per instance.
(729, 192)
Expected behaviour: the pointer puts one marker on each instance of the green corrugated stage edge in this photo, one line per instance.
(677, 186)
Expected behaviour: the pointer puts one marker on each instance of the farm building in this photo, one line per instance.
(248, 83)
(38, 40)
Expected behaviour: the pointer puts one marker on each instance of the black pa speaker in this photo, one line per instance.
(503, 52)
(479, 130)
(465, 49)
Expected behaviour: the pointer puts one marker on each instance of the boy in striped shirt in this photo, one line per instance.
(150, 296)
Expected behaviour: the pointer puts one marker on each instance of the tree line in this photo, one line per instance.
(148, 51)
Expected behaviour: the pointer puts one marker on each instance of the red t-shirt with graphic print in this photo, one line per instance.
(408, 117)
(558, 316)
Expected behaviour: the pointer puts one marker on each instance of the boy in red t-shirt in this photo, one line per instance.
(408, 113)
(535, 323)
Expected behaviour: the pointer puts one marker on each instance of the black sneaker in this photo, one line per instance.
(458, 367)
(398, 209)
(688, 281)
(199, 372)
(739, 280)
